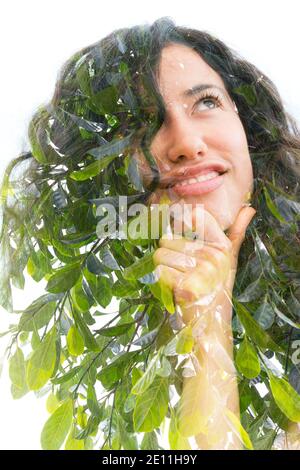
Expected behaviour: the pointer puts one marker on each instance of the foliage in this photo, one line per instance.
(110, 387)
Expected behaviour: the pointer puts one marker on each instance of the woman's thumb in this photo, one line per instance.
(237, 231)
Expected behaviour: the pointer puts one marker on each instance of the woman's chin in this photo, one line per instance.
(225, 222)
(224, 216)
(221, 208)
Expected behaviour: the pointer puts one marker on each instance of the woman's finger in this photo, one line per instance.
(186, 289)
(201, 222)
(175, 259)
(204, 262)
(212, 230)
(169, 276)
(237, 231)
(199, 252)
(183, 245)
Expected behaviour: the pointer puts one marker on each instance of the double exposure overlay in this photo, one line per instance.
(159, 201)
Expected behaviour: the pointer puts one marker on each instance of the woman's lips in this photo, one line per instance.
(198, 188)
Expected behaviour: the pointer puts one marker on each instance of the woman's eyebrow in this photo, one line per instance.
(203, 86)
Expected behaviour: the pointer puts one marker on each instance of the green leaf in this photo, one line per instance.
(185, 340)
(271, 206)
(148, 377)
(41, 364)
(76, 240)
(136, 374)
(117, 146)
(127, 440)
(92, 401)
(75, 341)
(165, 369)
(239, 430)
(5, 284)
(149, 441)
(151, 406)
(253, 291)
(109, 260)
(109, 375)
(35, 134)
(52, 403)
(38, 265)
(93, 169)
(286, 397)
(94, 265)
(264, 258)
(89, 340)
(35, 340)
(134, 174)
(164, 335)
(247, 360)
(101, 288)
(164, 294)
(79, 297)
(72, 443)
(265, 442)
(286, 319)
(116, 330)
(265, 315)
(123, 288)
(167, 297)
(91, 427)
(170, 347)
(68, 375)
(254, 330)
(82, 75)
(261, 435)
(57, 427)
(88, 443)
(140, 268)
(64, 278)
(106, 100)
(59, 356)
(129, 403)
(33, 319)
(176, 440)
(248, 92)
(104, 293)
(17, 374)
(275, 412)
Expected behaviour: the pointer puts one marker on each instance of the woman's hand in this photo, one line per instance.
(194, 269)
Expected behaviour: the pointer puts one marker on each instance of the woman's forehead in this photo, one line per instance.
(181, 69)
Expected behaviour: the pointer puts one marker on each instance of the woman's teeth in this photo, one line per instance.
(198, 179)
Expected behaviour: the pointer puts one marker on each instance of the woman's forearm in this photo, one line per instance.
(195, 271)
(216, 361)
(215, 384)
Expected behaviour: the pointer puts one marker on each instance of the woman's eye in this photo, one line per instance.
(215, 101)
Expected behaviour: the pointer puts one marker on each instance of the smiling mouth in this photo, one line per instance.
(195, 179)
(199, 185)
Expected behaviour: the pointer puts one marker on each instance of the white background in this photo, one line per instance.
(37, 37)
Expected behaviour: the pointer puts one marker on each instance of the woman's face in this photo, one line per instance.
(202, 133)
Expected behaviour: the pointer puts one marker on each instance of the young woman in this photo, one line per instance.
(163, 113)
(202, 135)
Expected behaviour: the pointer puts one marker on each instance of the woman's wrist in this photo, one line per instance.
(215, 317)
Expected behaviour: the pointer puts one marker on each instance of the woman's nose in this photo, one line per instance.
(184, 142)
